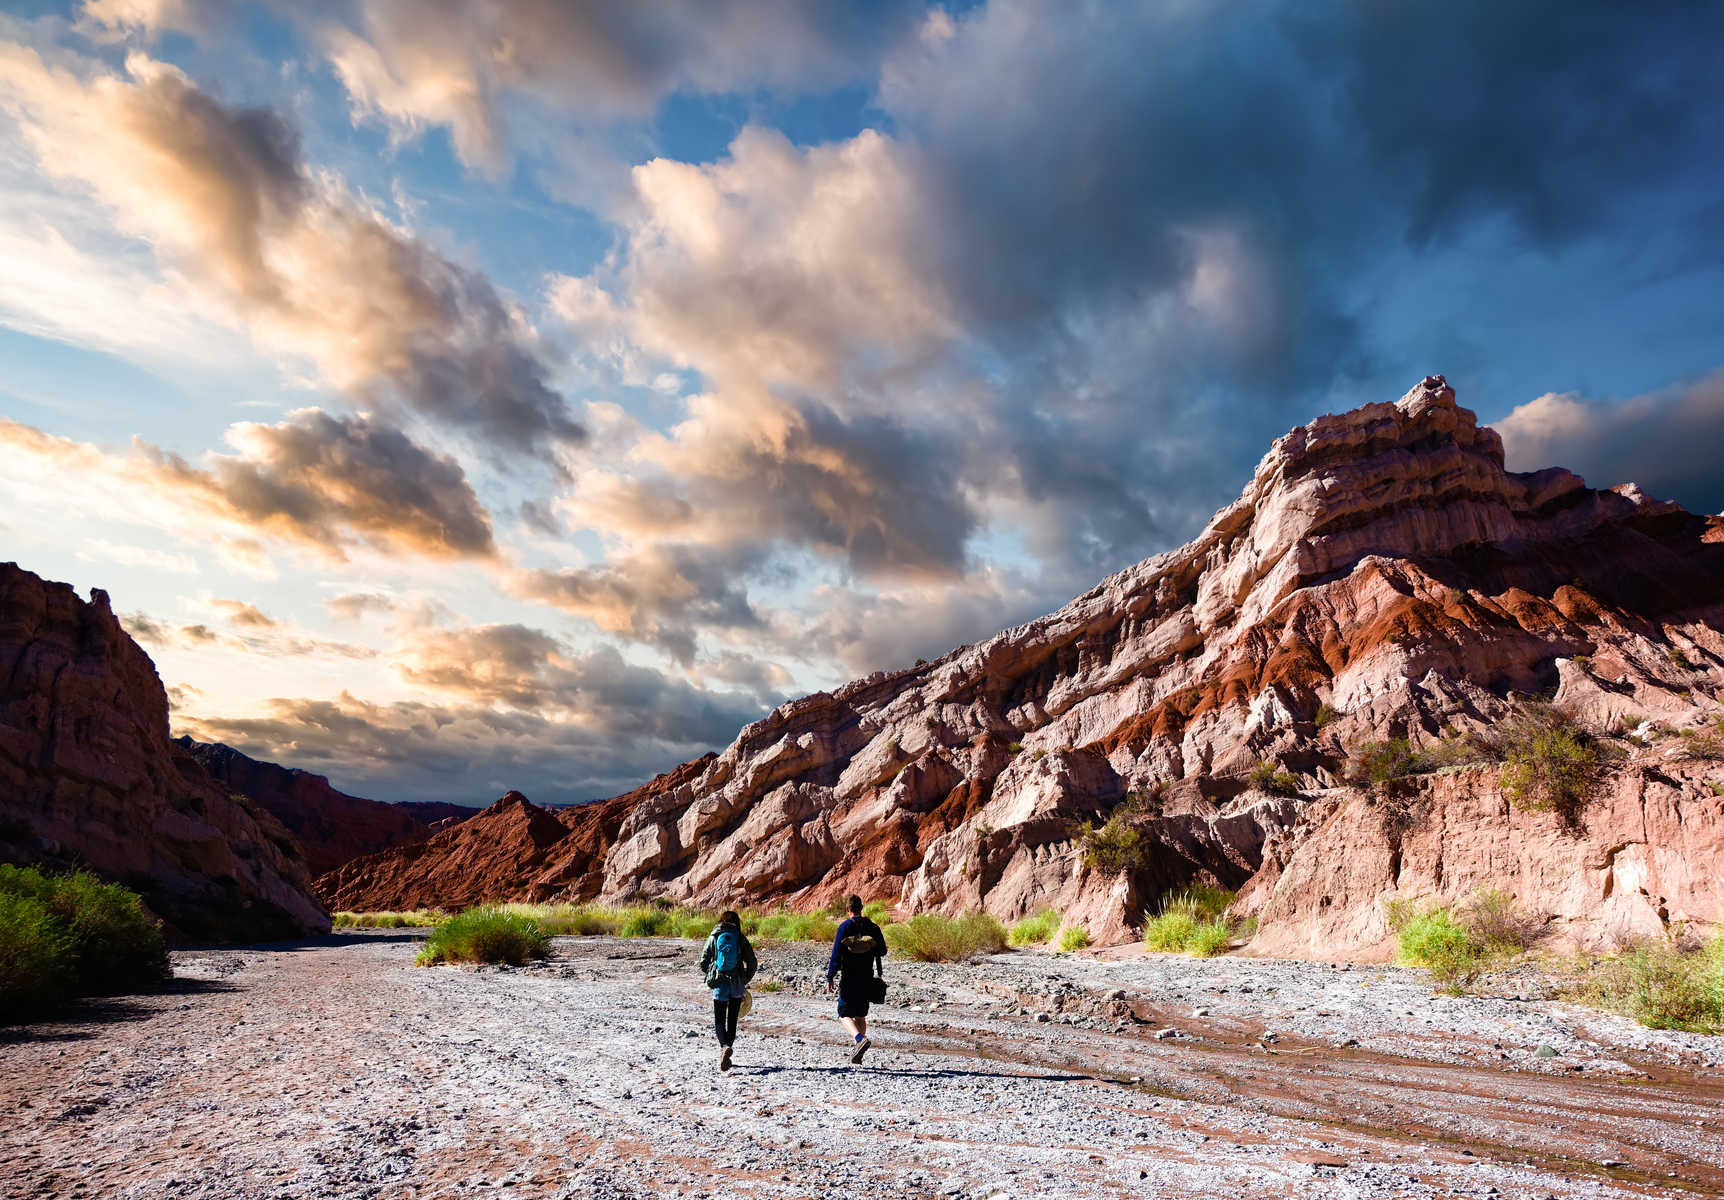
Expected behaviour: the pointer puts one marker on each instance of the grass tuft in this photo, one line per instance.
(1075, 937)
(929, 937)
(1193, 921)
(419, 918)
(1034, 930)
(1664, 986)
(486, 934)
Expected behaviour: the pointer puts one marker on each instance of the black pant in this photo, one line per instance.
(724, 1014)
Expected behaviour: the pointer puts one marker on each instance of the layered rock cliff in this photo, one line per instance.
(90, 778)
(330, 826)
(1382, 575)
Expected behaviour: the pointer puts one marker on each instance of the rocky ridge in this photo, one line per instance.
(90, 778)
(1382, 575)
(330, 826)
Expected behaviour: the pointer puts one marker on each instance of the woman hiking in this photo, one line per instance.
(728, 963)
(857, 949)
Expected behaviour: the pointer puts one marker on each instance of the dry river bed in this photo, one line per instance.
(338, 1069)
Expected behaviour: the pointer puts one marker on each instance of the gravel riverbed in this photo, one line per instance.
(338, 1069)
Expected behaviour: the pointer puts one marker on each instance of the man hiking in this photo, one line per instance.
(728, 963)
(857, 950)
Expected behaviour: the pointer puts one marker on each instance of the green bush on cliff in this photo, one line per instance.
(486, 935)
(72, 935)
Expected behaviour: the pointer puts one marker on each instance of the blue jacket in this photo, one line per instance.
(860, 958)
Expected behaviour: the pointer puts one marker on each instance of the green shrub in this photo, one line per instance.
(1549, 762)
(1269, 777)
(1210, 938)
(1170, 931)
(1192, 921)
(486, 935)
(787, 926)
(647, 922)
(1665, 987)
(1034, 930)
(931, 938)
(771, 985)
(1427, 935)
(1325, 714)
(72, 935)
(1117, 846)
(1074, 938)
(415, 919)
(877, 911)
(36, 958)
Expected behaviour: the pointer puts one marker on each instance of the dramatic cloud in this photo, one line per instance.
(314, 480)
(661, 597)
(1668, 442)
(238, 612)
(271, 643)
(225, 195)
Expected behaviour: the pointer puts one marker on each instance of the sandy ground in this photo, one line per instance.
(337, 1069)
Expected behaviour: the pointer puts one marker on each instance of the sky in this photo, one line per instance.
(458, 397)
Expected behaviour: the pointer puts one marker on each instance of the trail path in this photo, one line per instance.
(337, 1069)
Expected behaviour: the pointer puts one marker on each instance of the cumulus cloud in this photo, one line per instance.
(226, 196)
(661, 596)
(352, 606)
(315, 481)
(1666, 441)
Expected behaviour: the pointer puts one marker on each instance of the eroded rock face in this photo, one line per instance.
(330, 826)
(1381, 575)
(90, 778)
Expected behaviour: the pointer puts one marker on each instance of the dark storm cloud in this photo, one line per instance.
(1668, 442)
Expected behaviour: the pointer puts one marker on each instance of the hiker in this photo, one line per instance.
(728, 963)
(857, 949)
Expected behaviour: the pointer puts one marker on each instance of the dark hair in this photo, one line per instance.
(855, 903)
(731, 919)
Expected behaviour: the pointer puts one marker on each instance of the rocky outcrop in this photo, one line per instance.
(1382, 575)
(330, 826)
(1646, 857)
(90, 778)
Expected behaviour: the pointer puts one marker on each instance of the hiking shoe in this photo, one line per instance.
(860, 1050)
(724, 1059)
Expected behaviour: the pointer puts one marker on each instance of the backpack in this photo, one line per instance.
(727, 953)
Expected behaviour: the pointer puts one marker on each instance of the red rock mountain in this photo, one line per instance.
(90, 778)
(330, 826)
(1382, 575)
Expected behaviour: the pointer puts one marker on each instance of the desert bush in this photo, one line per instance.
(1169, 931)
(1325, 714)
(1074, 938)
(1382, 762)
(1495, 917)
(1210, 938)
(1706, 744)
(1117, 846)
(1034, 930)
(1269, 777)
(1549, 761)
(1192, 921)
(877, 911)
(485, 935)
(1665, 987)
(648, 921)
(72, 935)
(419, 918)
(787, 926)
(931, 938)
(1429, 936)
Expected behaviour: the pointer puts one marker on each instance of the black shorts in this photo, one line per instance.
(853, 1004)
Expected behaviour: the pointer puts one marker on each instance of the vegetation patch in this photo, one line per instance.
(1194, 921)
(1074, 937)
(486, 934)
(928, 937)
(72, 935)
(419, 918)
(1115, 847)
(1549, 761)
(1036, 930)
(1664, 986)
(1455, 943)
(1270, 777)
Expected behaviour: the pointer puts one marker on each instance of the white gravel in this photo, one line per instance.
(340, 1070)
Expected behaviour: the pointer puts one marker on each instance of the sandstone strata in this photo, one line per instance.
(1381, 575)
(90, 778)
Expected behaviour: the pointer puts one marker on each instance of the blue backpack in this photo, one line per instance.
(727, 953)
